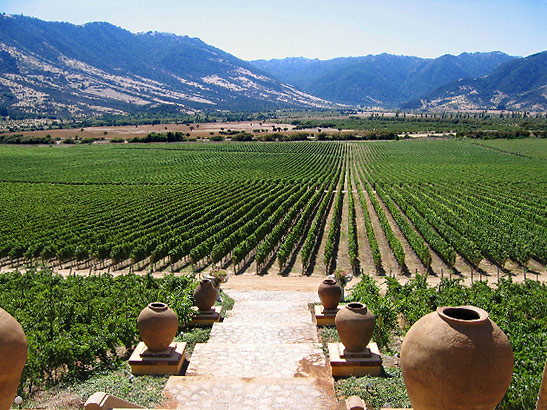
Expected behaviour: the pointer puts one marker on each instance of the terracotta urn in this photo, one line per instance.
(158, 325)
(456, 358)
(205, 295)
(330, 294)
(13, 355)
(355, 325)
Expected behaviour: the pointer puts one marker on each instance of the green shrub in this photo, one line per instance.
(74, 325)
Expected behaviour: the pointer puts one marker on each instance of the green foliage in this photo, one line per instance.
(376, 391)
(519, 310)
(383, 308)
(333, 235)
(145, 391)
(74, 325)
(193, 336)
(532, 147)
(20, 139)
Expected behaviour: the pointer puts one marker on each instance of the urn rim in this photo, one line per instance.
(356, 306)
(470, 315)
(158, 306)
(329, 281)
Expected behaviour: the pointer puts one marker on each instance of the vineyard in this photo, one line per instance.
(446, 207)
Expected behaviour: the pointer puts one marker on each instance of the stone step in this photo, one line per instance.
(256, 360)
(261, 316)
(266, 296)
(249, 393)
(263, 333)
(269, 307)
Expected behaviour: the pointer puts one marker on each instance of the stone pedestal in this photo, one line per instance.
(170, 361)
(366, 363)
(207, 318)
(324, 317)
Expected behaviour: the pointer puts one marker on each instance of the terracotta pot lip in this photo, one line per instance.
(329, 281)
(206, 280)
(470, 315)
(158, 306)
(356, 306)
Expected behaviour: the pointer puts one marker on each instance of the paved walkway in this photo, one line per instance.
(265, 355)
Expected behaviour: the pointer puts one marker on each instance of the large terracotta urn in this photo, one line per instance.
(13, 355)
(158, 325)
(330, 294)
(205, 295)
(456, 358)
(355, 325)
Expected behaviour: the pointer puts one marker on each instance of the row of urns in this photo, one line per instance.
(455, 358)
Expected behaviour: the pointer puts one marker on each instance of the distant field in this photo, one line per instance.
(129, 131)
(530, 147)
(307, 207)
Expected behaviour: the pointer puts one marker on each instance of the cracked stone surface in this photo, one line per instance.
(266, 393)
(264, 355)
(252, 360)
(264, 333)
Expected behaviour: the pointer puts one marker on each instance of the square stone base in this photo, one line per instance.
(205, 318)
(367, 363)
(324, 317)
(143, 361)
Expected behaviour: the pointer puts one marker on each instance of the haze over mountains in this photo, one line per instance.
(60, 69)
(382, 80)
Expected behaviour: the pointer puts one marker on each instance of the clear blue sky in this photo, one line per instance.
(253, 29)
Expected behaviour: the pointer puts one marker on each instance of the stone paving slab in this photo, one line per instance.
(265, 393)
(263, 333)
(257, 360)
(262, 316)
(270, 307)
(274, 296)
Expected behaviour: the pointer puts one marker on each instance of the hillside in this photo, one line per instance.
(52, 68)
(379, 80)
(516, 85)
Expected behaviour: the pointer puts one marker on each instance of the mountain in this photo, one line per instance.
(379, 80)
(52, 68)
(516, 85)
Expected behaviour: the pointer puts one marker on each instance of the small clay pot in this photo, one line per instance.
(456, 358)
(329, 293)
(158, 325)
(13, 355)
(205, 295)
(355, 325)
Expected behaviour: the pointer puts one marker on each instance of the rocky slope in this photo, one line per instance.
(516, 85)
(60, 69)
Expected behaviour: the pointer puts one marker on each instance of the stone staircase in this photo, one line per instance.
(264, 355)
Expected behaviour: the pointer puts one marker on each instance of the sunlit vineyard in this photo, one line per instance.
(443, 206)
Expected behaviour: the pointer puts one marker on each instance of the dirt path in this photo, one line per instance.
(438, 266)
(412, 262)
(389, 263)
(366, 261)
(316, 263)
(342, 257)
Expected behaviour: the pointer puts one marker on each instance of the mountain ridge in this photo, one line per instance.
(56, 68)
(516, 85)
(384, 79)
(59, 69)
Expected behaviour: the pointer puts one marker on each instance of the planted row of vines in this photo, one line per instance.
(171, 206)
